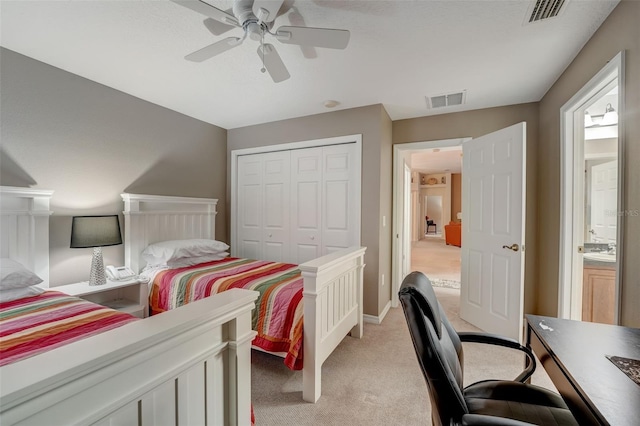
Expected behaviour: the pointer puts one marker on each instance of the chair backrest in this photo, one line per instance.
(437, 347)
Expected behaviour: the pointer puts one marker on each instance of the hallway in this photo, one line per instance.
(435, 259)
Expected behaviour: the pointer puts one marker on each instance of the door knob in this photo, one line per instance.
(513, 247)
(313, 238)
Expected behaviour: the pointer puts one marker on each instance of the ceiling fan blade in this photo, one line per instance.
(208, 10)
(216, 27)
(317, 37)
(267, 10)
(272, 62)
(214, 49)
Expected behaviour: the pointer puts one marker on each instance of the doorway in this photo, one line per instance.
(430, 193)
(591, 190)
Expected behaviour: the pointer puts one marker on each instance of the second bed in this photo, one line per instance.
(304, 311)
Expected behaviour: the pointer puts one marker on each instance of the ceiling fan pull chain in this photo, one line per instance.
(263, 69)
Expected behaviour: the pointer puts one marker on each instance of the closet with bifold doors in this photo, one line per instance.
(295, 205)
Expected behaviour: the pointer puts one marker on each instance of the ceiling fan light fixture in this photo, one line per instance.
(588, 121)
(610, 116)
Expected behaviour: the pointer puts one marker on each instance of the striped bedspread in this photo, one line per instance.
(36, 324)
(278, 314)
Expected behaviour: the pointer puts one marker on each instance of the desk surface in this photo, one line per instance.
(574, 354)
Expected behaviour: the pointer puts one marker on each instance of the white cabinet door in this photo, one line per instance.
(306, 204)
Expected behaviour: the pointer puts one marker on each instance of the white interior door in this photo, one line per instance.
(249, 193)
(340, 192)
(306, 204)
(604, 201)
(493, 182)
(275, 230)
(263, 188)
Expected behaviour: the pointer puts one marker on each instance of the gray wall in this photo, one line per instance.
(374, 124)
(481, 122)
(89, 143)
(620, 31)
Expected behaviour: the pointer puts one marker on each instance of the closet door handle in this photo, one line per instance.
(313, 238)
(513, 247)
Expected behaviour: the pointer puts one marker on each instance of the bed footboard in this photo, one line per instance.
(187, 366)
(332, 308)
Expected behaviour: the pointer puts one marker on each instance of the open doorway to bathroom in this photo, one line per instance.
(592, 183)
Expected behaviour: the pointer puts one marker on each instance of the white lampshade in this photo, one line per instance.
(610, 116)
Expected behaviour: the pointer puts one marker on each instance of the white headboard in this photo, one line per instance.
(150, 219)
(24, 228)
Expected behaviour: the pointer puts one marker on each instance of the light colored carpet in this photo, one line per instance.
(436, 259)
(375, 380)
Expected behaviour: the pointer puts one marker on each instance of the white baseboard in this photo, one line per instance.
(372, 319)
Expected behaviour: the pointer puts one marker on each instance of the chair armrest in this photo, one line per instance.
(482, 420)
(494, 339)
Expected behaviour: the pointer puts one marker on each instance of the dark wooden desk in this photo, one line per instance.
(573, 354)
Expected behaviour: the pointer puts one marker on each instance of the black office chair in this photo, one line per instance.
(488, 402)
(431, 223)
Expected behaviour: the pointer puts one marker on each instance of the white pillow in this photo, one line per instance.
(14, 275)
(18, 293)
(163, 252)
(188, 261)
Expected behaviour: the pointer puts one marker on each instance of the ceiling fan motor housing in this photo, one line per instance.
(243, 11)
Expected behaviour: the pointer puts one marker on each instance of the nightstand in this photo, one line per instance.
(131, 296)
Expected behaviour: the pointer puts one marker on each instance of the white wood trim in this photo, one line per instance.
(24, 229)
(333, 301)
(373, 319)
(356, 138)
(113, 375)
(568, 262)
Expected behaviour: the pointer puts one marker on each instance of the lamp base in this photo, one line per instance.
(96, 276)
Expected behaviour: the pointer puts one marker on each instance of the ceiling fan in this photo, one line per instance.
(256, 18)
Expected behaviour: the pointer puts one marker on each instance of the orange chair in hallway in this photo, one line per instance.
(452, 234)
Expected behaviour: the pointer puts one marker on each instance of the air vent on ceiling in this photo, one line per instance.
(445, 100)
(545, 9)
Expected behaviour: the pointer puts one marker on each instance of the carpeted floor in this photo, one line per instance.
(375, 380)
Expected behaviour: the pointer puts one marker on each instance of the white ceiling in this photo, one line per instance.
(439, 160)
(399, 52)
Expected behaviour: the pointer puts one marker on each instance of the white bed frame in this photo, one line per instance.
(189, 366)
(24, 228)
(332, 283)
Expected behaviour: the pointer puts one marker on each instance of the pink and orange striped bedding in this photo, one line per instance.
(278, 314)
(32, 325)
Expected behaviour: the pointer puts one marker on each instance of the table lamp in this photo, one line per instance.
(95, 232)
